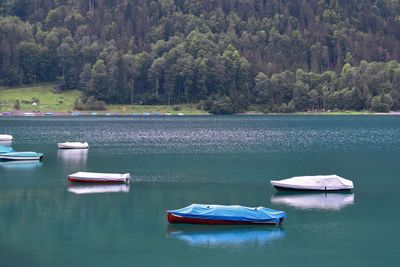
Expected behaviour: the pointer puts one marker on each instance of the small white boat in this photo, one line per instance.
(93, 177)
(28, 114)
(73, 145)
(6, 137)
(95, 189)
(317, 183)
(21, 156)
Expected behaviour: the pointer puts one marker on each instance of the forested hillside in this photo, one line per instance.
(285, 55)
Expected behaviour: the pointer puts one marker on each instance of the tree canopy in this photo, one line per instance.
(284, 55)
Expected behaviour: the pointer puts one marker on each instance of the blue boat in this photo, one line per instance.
(6, 149)
(21, 156)
(223, 214)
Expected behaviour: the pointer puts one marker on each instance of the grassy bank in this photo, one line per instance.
(64, 102)
(48, 100)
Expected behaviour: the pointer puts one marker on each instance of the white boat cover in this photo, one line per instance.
(95, 189)
(73, 145)
(94, 176)
(317, 182)
(6, 137)
(319, 201)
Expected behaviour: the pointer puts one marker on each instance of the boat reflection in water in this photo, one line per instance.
(225, 236)
(73, 156)
(5, 143)
(320, 201)
(98, 188)
(21, 165)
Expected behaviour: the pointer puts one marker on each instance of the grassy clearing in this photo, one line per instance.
(49, 101)
(64, 102)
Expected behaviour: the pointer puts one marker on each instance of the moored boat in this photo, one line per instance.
(225, 214)
(93, 177)
(28, 114)
(21, 156)
(316, 183)
(6, 137)
(73, 145)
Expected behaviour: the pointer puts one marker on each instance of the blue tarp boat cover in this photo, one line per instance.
(230, 213)
(6, 149)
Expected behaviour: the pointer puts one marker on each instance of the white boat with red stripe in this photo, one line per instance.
(95, 177)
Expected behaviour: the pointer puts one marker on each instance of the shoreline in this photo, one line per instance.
(162, 114)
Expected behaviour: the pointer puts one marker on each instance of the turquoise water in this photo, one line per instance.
(176, 161)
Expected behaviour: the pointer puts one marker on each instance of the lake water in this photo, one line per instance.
(176, 161)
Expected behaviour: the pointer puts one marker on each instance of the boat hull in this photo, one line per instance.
(179, 219)
(284, 188)
(11, 158)
(105, 178)
(102, 181)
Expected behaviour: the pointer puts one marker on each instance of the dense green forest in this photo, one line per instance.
(284, 55)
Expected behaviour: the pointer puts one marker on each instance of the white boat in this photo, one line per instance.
(28, 114)
(6, 137)
(73, 145)
(95, 189)
(317, 183)
(93, 177)
(21, 156)
(318, 201)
